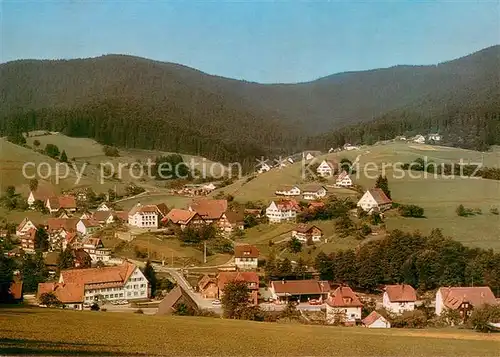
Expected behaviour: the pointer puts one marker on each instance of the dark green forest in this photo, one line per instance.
(128, 101)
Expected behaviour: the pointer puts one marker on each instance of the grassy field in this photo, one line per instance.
(438, 196)
(55, 332)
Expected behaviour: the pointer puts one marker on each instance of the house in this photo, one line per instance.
(87, 226)
(282, 211)
(307, 233)
(144, 216)
(299, 290)
(28, 240)
(343, 180)
(375, 320)
(55, 224)
(175, 298)
(375, 200)
(256, 212)
(399, 298)
(463, 299)
(162, 209)
(434, 137)
(309, 155)
(326, 168)
(95, 248)
(62, 213)
(234, 221)
(251, 278)
(350, 147)
(71, 238)
(65, 202)
(418, 139)
(71, 295)
(209, 209)
(313, 192)
(207, 286)
(103, 217)
(343, 307)
(183, 218)
(86, 215)
(125, 281)
(40, 194)
(104, 207)
(25, 225)
(315, 205)
(400, 138)
(246, 257)
(288, 190)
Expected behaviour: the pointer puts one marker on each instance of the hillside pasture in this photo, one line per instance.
(120, 334)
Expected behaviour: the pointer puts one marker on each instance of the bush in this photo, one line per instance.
(94, 307)
(111, 151)
(465, 212)
(410, 319)
(494, 211)
(411, 211)
(481, 317)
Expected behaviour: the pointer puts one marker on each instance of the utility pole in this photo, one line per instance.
(204, 252)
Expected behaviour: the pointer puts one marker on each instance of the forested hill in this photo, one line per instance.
(135, 102)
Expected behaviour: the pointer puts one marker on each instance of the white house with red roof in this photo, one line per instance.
(183, 218)
(463, 299)
(399, 298)
(343, 180)
(25, 225)
(313, 192)
(246, 257)
(375, 320)
(122, 282)
(375, 200)
(282, 211)
(343, 307)
(299, 290)
(87, 226)
(66, 202)
(288, 190)
(144, 216)
(326, 168)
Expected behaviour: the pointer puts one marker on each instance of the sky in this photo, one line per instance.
(260, 41)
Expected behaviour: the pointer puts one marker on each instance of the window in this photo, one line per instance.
(129, 293)
(121, 294)
(135, 293)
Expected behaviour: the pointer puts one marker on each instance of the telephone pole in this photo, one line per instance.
(204, 252)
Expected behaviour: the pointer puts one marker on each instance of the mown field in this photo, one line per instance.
(54, 332)
(438, 196)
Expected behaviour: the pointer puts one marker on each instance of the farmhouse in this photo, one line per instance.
(25, 225)
(173, 300)
(144, 216)
(313, 192)
(125, 281)
(70, 294)
(87, 226)
(264, 167)
(28, 240)
(104, 207)
(375, 200)
(375, 320)
(210, 210)
(246, 257)
(66, 202)
(288, 190)
(309, 155)
(463, 299)
(420, 139)
(434, 137)
(299, 290)
(95, 248)
(183, 218)
(251, 278)
(343, 307)
(343, 180)
(307, 233)
(399, 298)
(40, 194)
(104, 217)
(326, 168)
(232, 221)
(282, 211)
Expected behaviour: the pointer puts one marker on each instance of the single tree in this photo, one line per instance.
(64, 157)
(383, 184)
(52, 150)
(6, 277)
(36, 143)
(150, 274)
(33, 184)
(41, 240)
(49, 299)
(235, 299)
(285, 269)
(33, 272)
(295, 245)
(66, 259)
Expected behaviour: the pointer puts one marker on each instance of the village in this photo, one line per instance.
(99, 278)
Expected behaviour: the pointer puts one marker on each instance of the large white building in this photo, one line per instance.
(144, 216)
(282, 211)
(399, 298)
(246, 257)
(375, 200)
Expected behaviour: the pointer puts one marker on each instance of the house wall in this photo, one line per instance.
(25, 228)
(144, 220)
(397, 307)
(351, 314)
(439, 303)
(367, 202)
(246, 263)
(380, 323)
(277, 216)
(210, 292)
(324, 169)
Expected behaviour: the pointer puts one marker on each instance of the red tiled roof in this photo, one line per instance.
(42, 193)
(119, 273)
(314, 205)
(225, 277)
(24, 222)
(304, 228)
(379, 196)
(177, 216)
(401, 293)
(343, 296)
(235, 217)
(288, 205)
(371, 318)
(300, 287)
(123, 215)
(246, 251)
(90, 223)
(209, 208)
(101, 216)
(54, 202)
(65, 292)
(453, 297)
(69, 224)
(66, 201)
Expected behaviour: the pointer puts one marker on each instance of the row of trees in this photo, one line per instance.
(425, 262)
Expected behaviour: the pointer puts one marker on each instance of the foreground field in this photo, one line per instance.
(39, 331)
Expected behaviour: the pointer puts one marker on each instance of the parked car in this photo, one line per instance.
(314, 302)
(216, 302)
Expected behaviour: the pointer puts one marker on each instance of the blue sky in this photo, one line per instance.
(286, 41)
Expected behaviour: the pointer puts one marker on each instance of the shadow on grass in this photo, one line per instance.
(13, 346)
